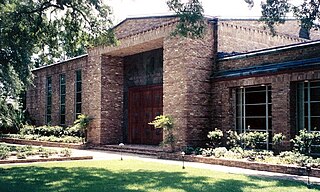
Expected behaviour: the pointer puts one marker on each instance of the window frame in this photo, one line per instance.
(78, 73)
(241, 116)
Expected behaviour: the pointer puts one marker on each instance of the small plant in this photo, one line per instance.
(215, 137)
(81, 124)
(220, 152)
(188, 150)
(277, 141)
(4, 151)
(233, 139)
(207, 152)
(165, 122)
(303, 142)
(21, 155)
(254, 140)
(65, 153)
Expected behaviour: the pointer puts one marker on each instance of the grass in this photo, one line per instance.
(133, 176)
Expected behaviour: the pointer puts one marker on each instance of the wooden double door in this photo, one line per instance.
(145, 103)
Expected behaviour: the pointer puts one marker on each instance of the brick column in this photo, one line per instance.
(186, 86)
(281, 108)
(112, 100)
(91, 94)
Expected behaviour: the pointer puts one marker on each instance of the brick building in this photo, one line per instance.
(238, 76)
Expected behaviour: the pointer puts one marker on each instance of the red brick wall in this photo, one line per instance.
(111, 100)
(282, 89)
(36, 95)
(186, 86)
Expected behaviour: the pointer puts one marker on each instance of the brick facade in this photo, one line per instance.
(36, 95)
(283, 87)
(197, 90)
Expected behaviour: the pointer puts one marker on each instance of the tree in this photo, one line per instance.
(36, 32)
(273, 12)
(191, 19)
(276, 12)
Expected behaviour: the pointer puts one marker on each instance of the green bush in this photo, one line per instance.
(220, 152)
(207, 152)
(65, 153)
(4, 151)
(290, 157)
(304, 141)
(254, 140)
(233, 139)
(166, 123)
(215, 137)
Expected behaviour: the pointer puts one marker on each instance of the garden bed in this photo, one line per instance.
(11, 153)
(40, 159)
(287, 169)
(43, 143)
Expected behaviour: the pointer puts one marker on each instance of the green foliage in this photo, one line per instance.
(220, 152)
(233, 139)
(79, 127)
(277, 139)
(35, 33)
(207, 152)
(4, 151)
(275, 12)
(289, 157)
(191, 19)
(166, 123)
(65, 153)
(215, 137)
(304, 141)
(254, 140)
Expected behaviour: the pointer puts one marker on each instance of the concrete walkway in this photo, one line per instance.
(104, 155)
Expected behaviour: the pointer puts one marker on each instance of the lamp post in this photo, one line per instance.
(183, 154)
(121, 146)
(308, 169)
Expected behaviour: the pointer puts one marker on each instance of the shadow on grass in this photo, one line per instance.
(92, 179)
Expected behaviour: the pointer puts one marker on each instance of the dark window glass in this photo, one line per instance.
(253, 110)
(49, 100)
(78, 97)
(78, 108)
(62, 99)
(308, 106)
(78, 90)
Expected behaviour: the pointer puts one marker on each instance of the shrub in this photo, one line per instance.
(220, 152)
(215, 137)
(165, 122)
(233, 139)
(289, 157)
(21, 155)
(277, 140)
(65, 153)
(254, 140)
(233, 155)
(4, 151)
(207, 152)
(303, 142)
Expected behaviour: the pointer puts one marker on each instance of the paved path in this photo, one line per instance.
(104, 155)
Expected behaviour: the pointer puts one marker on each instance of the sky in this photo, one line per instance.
(219, 8)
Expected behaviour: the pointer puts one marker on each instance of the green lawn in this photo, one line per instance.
(132, 175)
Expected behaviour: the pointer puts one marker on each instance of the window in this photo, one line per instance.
(308, 105)
(253, 110)
(62, 99)
(49, 100)
(78, 90)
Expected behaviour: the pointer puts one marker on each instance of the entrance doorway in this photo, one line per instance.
(145, 103)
